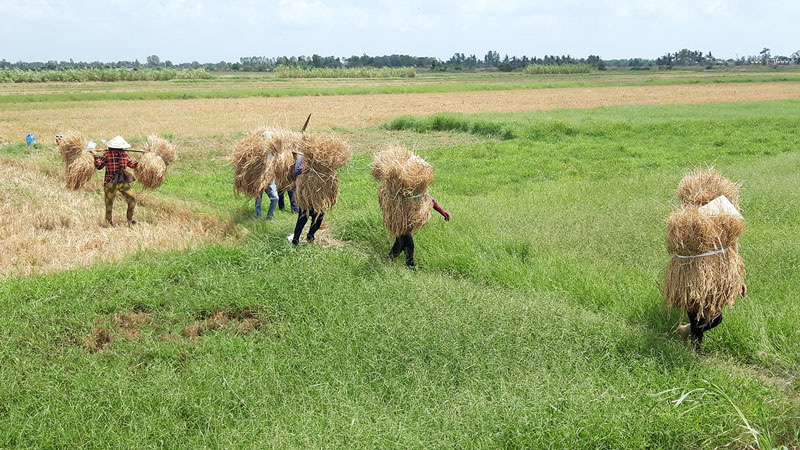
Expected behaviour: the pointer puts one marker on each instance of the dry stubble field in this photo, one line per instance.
(204, 117)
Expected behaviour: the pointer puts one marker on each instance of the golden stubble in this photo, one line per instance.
(204, 117)
(47, 228)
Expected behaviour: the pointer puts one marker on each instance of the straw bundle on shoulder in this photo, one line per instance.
(701, 186)
(403, 194)
(253, 169)
(71, 146)
(706, 272)
(282, 140)
(317, 190)
(392, 158)
(690, 232)
(80, 170)
(324, 152)
(402, 215)
(281, 145)
(283, 166)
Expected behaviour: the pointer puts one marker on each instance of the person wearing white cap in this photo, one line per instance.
(115, 161)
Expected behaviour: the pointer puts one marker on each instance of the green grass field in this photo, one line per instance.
(535, 319)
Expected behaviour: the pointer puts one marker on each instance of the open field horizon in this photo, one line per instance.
(535, 318)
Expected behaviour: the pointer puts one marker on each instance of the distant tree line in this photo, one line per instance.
(457, 62)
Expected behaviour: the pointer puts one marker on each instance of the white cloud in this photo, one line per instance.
(300, 12)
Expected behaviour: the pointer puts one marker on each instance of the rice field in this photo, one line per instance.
(206, 117)
(535, 318)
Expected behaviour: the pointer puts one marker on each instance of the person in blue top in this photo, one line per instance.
(302, 217)
(272, 194)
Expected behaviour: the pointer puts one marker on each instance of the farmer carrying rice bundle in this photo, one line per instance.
(403, 196)
(705, 273)
(115, 160)
(316, 180)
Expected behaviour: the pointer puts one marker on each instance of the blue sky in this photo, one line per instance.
(210, 30)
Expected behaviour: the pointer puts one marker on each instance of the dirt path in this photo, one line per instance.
(203, 117)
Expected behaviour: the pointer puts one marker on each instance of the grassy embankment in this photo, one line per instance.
(535, 320)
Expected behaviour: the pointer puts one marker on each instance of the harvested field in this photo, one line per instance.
(47, 228)
(202, 117)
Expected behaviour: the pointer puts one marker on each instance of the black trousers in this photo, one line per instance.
(404, 243)
(698, 326)
(302, 218)
(282, 203)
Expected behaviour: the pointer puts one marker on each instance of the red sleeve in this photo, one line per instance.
(99, 162)
(440, 210)
(130, 163)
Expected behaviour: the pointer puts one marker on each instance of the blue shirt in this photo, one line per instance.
(297, 167)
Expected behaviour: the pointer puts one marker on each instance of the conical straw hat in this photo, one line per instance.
(118, 142)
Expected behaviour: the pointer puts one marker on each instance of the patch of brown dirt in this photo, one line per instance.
(243, 321)
(99, 340)
(204, 117)
(47, 228)
(128, 326)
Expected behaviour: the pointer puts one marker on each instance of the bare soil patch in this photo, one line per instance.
(203, 117)
(130, 326)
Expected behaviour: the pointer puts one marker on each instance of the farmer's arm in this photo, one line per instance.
(99, 162)
(440, 210)
(130, 163)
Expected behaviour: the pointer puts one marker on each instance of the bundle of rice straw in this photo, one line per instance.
(150, 170)
(403, 194)
(79, 161)
(283, 165)
(253, 169)
(161, 147)
(318, 189)
(71, 146)
(700, 186)
(705, 273)
(152, 166)
(80, 170)
(282, 144)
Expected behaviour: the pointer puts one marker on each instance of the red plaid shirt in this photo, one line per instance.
(115, 161)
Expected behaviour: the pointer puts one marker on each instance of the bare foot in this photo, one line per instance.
(684, 331)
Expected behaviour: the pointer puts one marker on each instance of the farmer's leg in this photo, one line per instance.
(714, 322)
(302, 218)
(396, 248)
(281, 204)
(258, 204)
(272, 193)
(316, 222)
(109, 192)
(408, 246)
(295, 208)
(125, 190)
(698, 327)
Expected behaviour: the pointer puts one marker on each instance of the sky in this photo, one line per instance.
(212, 30)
